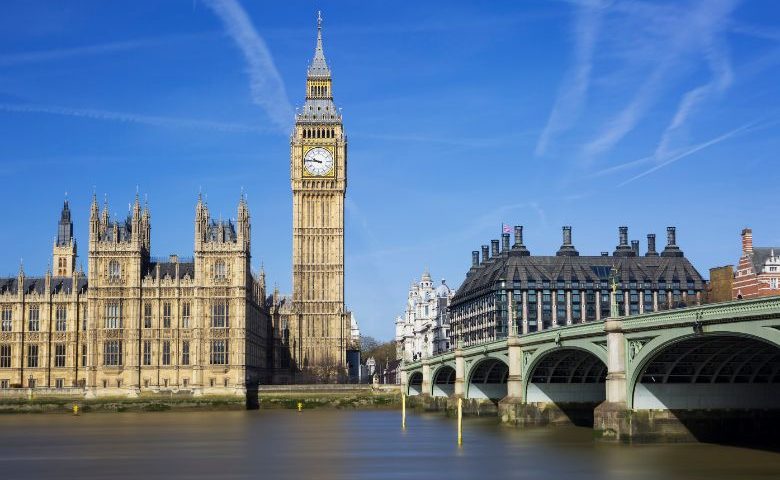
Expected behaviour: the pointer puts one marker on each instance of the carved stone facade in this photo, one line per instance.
(135, 323)
(423, 330)
(316, 323)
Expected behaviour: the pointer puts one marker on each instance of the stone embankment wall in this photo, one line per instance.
(267, 396)
(329, 396)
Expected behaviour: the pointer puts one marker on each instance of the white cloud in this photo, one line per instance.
(13, 59)
(674, 41)
(152, 120)
(690, 151)
(265, 83)
(573, 91)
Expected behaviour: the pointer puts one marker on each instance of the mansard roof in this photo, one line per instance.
(532, 271)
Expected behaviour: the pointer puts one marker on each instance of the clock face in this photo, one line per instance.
(318, 161)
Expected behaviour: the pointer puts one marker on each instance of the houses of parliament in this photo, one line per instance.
(133, 323)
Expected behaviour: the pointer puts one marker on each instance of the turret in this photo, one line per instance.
(244, 232)
(64, 249)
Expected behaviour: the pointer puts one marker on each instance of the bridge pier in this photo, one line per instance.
(612, 419)
(460, 372)
(511, 408)
(426, 379)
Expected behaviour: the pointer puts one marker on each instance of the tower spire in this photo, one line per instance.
(319, 67)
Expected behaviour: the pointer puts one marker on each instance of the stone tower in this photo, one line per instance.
(118, 254)
(318, 172)
(64, 251)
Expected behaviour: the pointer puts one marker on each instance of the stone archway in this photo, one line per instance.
(488, 380)
(443, 382)
(722, 371)
(415, 384)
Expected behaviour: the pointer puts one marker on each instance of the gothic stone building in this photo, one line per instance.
(315, 325)
(510, 288)
(135, 323)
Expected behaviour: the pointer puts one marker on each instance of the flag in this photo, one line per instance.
(506, 228)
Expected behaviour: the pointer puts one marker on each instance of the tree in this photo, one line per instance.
(382, 352)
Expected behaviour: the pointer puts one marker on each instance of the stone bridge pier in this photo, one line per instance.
(699, 382)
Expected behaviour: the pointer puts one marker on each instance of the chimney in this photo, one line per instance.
(504, 242)
(519, 248)
(747, 241)
(518, 235)
(567, 249)
(604, 254)
(475, 258)
(485, 253)
(635, 247)
(671, 249)
(494, 248)
(671, 237)
(623, 249)
(651, 245)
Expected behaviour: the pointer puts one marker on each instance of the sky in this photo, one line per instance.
(460, 116)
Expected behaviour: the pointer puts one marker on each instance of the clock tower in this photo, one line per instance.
(318, 324)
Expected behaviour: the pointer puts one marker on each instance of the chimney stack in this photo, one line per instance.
(623, 249)
(485, 254)
(519, 248)
(567, 249)
(635, 247)
(747, 241)
(651, 246)
(494, 247)
(504, 242)
(671, 249)
(475, 258)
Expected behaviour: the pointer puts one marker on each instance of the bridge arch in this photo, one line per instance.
(443, 384)
(566, 374)
(415, 383)
(719, 370)
(487, 379)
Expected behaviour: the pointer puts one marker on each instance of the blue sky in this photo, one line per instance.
(460, 116)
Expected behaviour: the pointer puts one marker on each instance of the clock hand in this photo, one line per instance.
(315, 160)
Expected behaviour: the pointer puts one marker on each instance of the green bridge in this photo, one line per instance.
(692, 373)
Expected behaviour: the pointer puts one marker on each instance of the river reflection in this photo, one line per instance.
(342, 444)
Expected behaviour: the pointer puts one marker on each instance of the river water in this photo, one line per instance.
(322, 444)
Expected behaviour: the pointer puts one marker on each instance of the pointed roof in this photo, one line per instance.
(319, 67)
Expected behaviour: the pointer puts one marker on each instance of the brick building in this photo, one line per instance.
(758, 271)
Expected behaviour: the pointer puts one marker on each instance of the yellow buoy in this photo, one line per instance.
(403, 411)
(300, 406)
(460, 421)
(75, 409)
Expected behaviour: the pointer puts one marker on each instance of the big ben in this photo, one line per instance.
(318, 326)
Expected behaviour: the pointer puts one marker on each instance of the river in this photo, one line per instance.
(349, 444)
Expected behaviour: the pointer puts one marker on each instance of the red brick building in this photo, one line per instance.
(758, 271)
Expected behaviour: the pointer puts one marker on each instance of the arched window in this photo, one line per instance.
(114, 270)
(220, 271)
